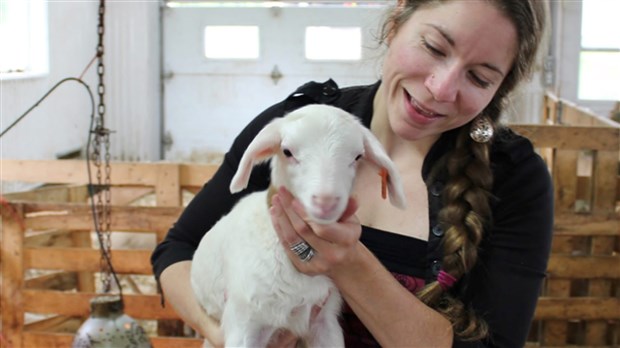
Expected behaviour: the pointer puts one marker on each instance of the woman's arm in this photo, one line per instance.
(175, 283)
(390, 312)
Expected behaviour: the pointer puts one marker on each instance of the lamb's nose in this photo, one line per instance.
(326, 203)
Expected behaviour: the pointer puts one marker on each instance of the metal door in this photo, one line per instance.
(208, 101)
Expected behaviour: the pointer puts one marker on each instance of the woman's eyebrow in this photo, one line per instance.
(450, 40)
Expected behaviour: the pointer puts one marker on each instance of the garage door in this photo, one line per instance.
(224, 63)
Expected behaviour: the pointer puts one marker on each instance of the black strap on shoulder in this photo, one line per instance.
(313, 93)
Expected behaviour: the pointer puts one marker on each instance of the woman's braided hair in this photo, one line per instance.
(466, 210)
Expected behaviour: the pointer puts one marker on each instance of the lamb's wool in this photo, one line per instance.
(241, 274)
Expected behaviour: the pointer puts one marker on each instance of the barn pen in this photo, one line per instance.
(50, 264)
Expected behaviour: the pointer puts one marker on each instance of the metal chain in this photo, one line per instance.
(102, 138)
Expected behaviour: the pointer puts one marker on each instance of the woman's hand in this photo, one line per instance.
(333, 243)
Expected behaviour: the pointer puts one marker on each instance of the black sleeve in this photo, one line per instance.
(505, 283)
(214, 199)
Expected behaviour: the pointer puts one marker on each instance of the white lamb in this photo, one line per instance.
(241, 274)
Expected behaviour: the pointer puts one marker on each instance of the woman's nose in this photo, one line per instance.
(443, 85)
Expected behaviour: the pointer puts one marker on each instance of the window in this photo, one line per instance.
(231, 42)
(23, 38)
(599, 61)
(333, 43)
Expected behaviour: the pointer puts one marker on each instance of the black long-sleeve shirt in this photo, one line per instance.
(503, 286)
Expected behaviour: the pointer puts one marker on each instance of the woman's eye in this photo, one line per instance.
(432, 48)
(479, 81)
(358, 157)
(287, 153)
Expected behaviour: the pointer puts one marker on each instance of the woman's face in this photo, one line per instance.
(444, 65)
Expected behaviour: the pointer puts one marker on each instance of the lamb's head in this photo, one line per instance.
(314, 153)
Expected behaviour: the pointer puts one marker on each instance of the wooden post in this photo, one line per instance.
(555, 332)
(603, 203)
(11, 249)
(168, 186)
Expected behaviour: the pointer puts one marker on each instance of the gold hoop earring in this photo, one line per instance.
(481, 129)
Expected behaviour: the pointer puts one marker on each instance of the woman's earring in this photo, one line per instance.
(481, 130)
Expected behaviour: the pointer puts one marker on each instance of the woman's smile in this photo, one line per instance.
(418, 113)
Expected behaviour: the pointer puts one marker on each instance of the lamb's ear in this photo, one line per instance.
(374, 152)
(265, 144)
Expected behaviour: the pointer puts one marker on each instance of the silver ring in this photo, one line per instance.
(300, 248)
(308, 256)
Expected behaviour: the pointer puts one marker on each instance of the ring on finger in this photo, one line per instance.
(300, 248)
(308, 256)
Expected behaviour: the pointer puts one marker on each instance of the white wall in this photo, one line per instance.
(61, 122)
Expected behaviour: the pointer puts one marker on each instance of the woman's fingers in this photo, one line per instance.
(330, 242)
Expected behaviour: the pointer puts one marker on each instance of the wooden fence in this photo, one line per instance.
(580, 303)
(49, 229)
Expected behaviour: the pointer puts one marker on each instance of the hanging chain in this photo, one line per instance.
(102, 138)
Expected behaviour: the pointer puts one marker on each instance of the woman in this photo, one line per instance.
(463, 265)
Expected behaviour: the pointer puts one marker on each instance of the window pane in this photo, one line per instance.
(14, 36)
(599, 24)
(331, 43)
(232, 42)
(599, 76)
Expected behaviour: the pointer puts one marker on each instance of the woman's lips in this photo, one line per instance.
(421, 109)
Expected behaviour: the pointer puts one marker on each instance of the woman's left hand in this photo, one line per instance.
(333, 244)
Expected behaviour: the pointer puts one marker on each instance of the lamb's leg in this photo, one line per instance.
(241, 330)
(325, 330)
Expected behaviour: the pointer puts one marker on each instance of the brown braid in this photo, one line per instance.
(466, 211)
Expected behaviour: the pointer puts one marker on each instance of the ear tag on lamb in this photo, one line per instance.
(384, 178)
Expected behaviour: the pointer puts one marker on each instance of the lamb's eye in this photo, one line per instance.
(287, 153)
(358, 157)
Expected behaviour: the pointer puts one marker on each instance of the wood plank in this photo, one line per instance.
(77, 259)
(43, 216)
(584, 267)
(56, 281)
(12, 265)
(126, 195)
(193, 175)
(48, 323)
(555, 332)
(583, 225)
(85, 280)
(604, 174)
(122, 173)
(55, 193)
(565, 180)
(76, 172)
(168, 185)
(577, 308)
(48, 238)
(577, 115)
(77, 304)
(570, 137)
(63, 340)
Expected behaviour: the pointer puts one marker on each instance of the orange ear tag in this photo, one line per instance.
(384, 175)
